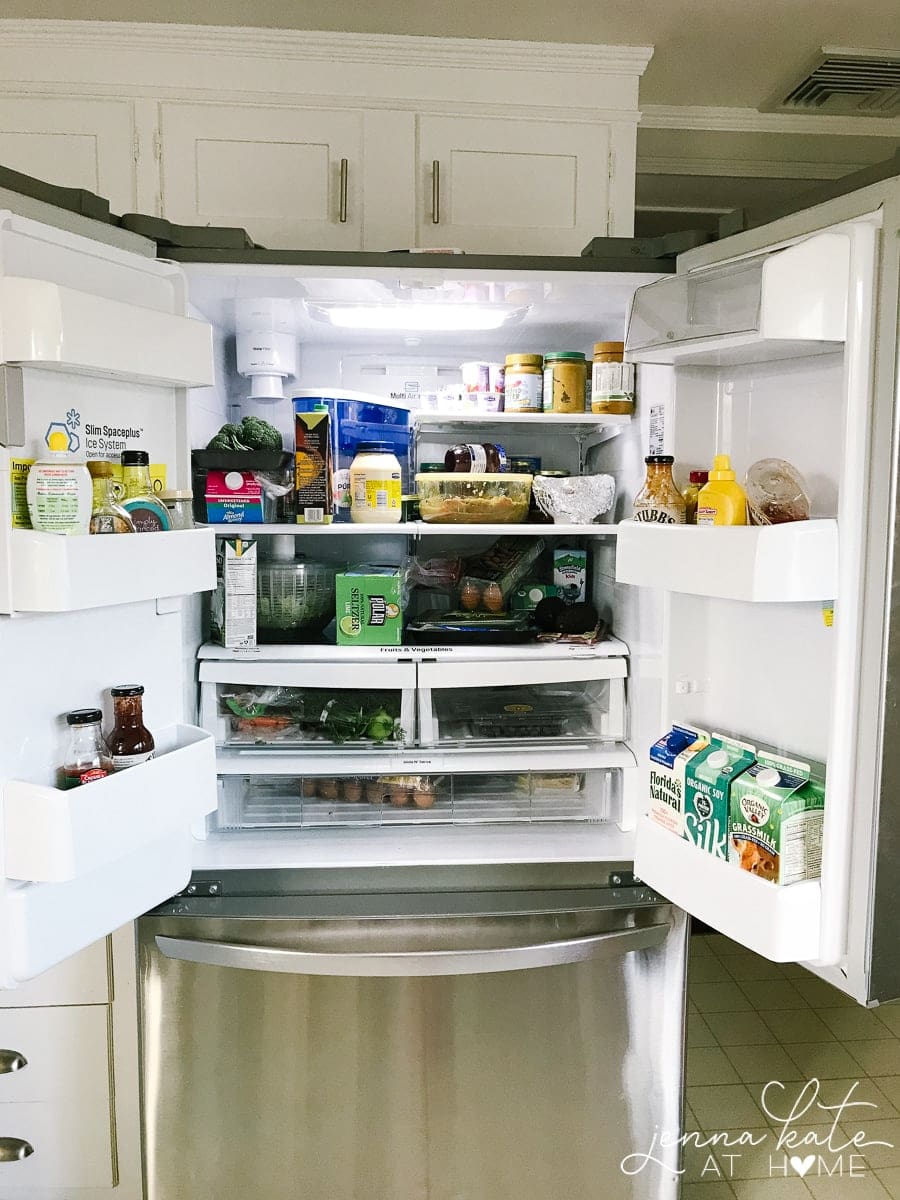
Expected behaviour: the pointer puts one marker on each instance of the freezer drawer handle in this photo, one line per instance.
(14, 1149)
(11, 1060)
(436, 192)
(342, 214)
(412, 963)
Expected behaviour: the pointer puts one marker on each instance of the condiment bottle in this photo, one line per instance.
(130, 742)
(468, 457)
(697, 480)
(58, 490)
(107, 515)
(612, 380)
(149, 513)
(180, 506)
(375, 484)
(523, 384)
(722, 501)
(659, 499)
(87, 756)
(565, 382)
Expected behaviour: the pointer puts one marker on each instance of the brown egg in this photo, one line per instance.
(470, 595)
(353, 790)
(424, 796)
(493, 598)
(375, 791)
(328, 789)
(310, 788)
(399, 796)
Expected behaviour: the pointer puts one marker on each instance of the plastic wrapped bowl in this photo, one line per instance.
(473, 498)
(579, 499)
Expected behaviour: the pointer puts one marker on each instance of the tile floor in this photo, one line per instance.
(751, 1021)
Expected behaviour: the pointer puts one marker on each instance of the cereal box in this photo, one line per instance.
(708, 780)
(776, 819)
(669, 758)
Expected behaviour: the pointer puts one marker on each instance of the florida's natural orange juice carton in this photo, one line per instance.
(669, 758)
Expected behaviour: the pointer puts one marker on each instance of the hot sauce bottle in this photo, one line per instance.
(87, 757)
(130, 742)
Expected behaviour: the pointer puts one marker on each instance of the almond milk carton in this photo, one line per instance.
(708, 780)
(669, 758)
(777, 814)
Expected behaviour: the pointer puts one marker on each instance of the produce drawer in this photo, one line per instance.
(578, 712)
(315, 707)
(306, 802)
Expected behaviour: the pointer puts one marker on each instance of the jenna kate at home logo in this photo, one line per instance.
(834, 1149)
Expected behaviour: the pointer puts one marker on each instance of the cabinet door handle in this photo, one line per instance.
(436, 192)
(13, 1149)
(345, 171)
(11, 1060)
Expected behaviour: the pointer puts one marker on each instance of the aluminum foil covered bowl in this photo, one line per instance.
(579, 499)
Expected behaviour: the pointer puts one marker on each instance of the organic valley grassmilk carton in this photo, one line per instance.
(669, 758)
(777, 813)
(707, 783)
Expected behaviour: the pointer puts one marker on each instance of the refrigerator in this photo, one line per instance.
(778, 342)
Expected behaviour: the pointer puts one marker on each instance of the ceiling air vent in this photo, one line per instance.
(844, 83)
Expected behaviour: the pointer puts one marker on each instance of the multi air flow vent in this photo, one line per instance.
(844, 83)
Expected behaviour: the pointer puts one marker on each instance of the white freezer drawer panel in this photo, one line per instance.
(780, 923)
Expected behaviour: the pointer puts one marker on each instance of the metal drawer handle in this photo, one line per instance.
(11, 1060)
(406, 964)
(345, 171)
(14, 1149)
(436, 192)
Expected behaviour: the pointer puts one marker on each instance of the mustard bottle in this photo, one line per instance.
(722, 501)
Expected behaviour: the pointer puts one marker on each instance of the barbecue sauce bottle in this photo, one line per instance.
(130, 742)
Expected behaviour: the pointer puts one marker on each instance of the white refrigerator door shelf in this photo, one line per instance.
(780, 923)
(43, 324)
(768, 563)
(52, 573)
(52, 836)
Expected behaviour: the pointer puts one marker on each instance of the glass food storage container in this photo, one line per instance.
(473, 498)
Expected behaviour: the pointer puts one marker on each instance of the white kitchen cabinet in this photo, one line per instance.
(289, 176)
(511, 186)
(73, 142)
(84, 978)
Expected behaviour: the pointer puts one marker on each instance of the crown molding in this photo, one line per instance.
(743, 168)
(319, 45)
(748, 120)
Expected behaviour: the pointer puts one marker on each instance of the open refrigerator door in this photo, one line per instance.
(99, 353)
(780, 343)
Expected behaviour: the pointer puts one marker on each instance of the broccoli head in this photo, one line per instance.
(259, 434)
(229, 437)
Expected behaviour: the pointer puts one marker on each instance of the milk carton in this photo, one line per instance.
(776, 819)
(708, 780)
(669, 758)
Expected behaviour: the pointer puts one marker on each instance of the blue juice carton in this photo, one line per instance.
(669, 758)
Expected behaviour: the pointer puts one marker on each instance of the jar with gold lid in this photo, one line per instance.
(612, 380)
(523, 387)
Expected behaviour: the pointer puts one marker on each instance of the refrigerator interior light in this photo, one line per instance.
(418, 317)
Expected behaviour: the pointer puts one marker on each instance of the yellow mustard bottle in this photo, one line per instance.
(722, 501)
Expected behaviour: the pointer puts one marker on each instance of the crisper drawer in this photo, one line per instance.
(568, 703)
(290, 802)
(314, 707)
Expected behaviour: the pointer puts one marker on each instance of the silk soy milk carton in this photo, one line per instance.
(777, 813)
(709, 776)
(669, 758)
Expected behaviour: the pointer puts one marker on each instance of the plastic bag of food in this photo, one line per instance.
(776, 493)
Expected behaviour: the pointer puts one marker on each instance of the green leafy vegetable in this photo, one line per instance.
(229, 437)
(260, 435)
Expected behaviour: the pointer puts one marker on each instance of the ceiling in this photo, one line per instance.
(708, 52)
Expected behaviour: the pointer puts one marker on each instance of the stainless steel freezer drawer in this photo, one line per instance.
(518, 1051)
